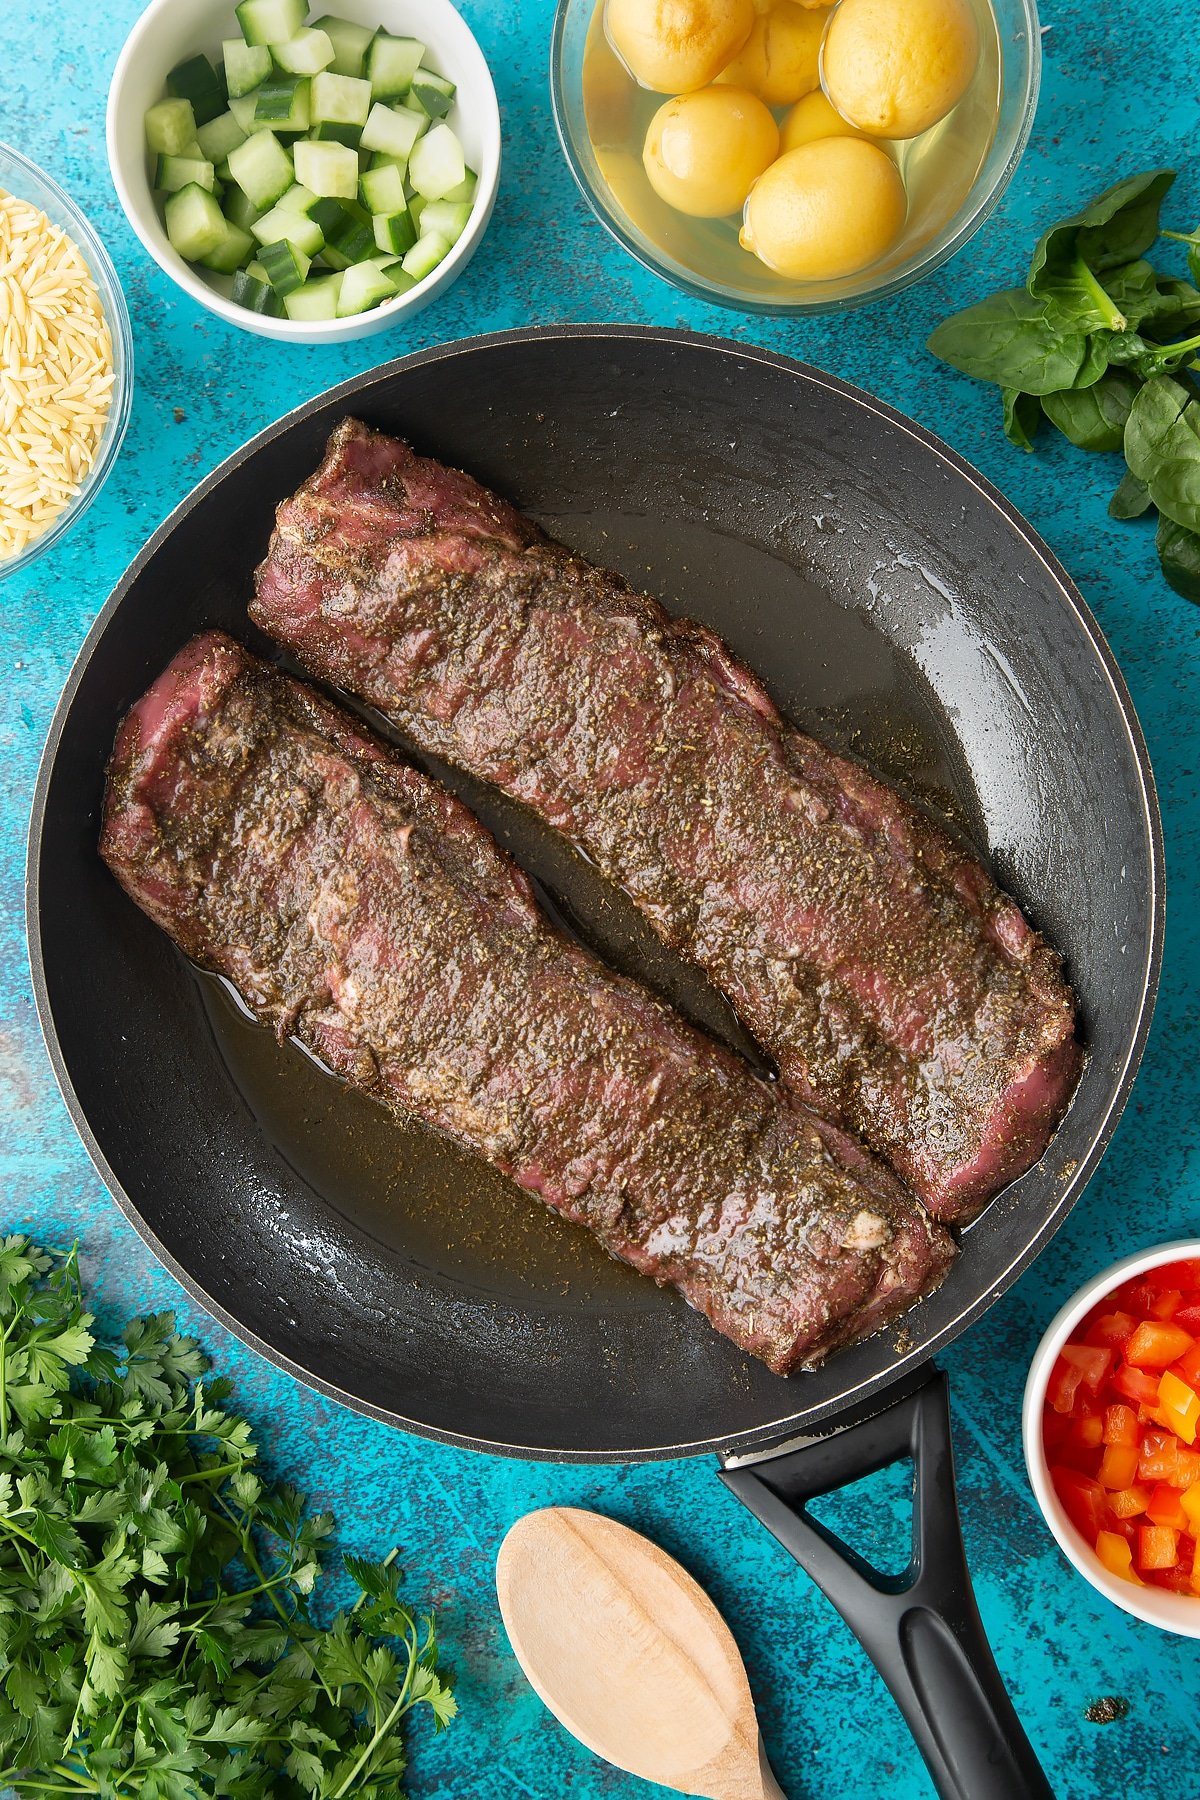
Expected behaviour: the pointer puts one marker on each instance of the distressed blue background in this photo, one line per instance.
(1119, 94)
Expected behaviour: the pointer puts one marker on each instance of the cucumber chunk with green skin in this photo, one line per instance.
(282, 227)
(246, 66)
(238, 208)
(350, 43)
(430, 249)
(330, 170)
(437, 164)
(174, 172)
(307, 53)
(364, 286)
(236, 248)
(196, 226)
(340, 99)
(270, 21)
(328, 131)
(392, 63)
(255, 292)
(243, 111)
(170, 127)
(315, 300)
(195, 80)
(352, 237)
(282, 103)
(286, 266)
(382, 190)
(220, 136)
(329, 215)
(298, 199)
(394, 232)
(466, 189)
(433, 93)
(263, 169)
(392, 129)
(448, 217)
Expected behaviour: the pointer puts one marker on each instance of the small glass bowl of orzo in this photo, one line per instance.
(66, 362)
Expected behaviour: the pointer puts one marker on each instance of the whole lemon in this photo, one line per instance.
(780, 61)
(813, 118)
(675, 46)
(705, 151)
(825, 210)
(895, 67)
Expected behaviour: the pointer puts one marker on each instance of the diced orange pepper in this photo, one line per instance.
(1190, 1502)
(1154, 1345)
(1165, 1507)
(1159, 1457)
(1118, 1466)
(1127, 1503)
(1167, 1304)
(1158, 1547)
(1178, 1406)
(1115, 1553)
(1089, 1432)
(1120, 1425)
(1187, 1467)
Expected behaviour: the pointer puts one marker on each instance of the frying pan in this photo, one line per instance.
(898, 607)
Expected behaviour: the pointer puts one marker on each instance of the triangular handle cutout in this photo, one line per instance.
(874, 1515)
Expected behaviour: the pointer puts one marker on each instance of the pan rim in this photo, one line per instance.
(799, 1419)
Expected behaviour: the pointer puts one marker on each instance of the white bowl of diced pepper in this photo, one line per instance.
(309, 178)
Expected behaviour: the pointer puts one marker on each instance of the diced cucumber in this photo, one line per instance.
(315, 300)
(281, 227)
(298, 199)
(220, 136)
(340, 99)
(437, 163)
(350, 43)
(448, 217)
(263, 169)
(270, 21)
(307, 53)
(394, 232)
(223, 175)
(363, 286)
(238, 208)
(237, 247)
(328, 169)
(392, 130)
(170, 127)
(195, 80)
(246, 65)
(255, 292)
(392, 62)
(430, 249)
(466, 188)
(196, 226)
(282, 103)
(326, 131)
(351, 237)
(329, 214)
(433, 93)
(175, 172)
(242, 109)
(382, 190)
(286, 266)
(416, 207)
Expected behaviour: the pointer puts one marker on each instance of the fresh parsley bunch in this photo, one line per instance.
(1103, 345)
(156, 1638)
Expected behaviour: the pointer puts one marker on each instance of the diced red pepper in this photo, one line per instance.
(1093, 1362)
(1154, 1345)
(1187, 1467)
(1116, 1554)
(1118, 1466)
(1138, 1385)
(1088, 1433)
(1188, 1366)
(1112, 1329)
(1184, 1274)
(1082, 1498)
(1063, 1385)
(1166, 1304)
(1165, 1507)
(1190, 1502)
(1128, 1503)
(1189, 1318)
(1158, 1547)
(1120, 1425)
(1159, 1458)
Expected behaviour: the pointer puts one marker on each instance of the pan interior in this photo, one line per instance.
(893, 608)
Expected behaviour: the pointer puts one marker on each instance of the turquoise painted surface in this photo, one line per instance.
(1120, 93)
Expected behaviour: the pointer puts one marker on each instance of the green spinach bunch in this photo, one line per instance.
(1104, 345)
(156, 1632)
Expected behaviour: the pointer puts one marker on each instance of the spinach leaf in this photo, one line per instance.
(1146, 358)
(1094, 417)
(1119, 225)
(1022, 416)
(1179, 553)
(1095, 359)
(1008, 339)
(1075, 300)
(1131, 499)
(1162, 447)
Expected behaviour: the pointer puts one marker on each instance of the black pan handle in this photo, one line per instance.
(922, 1628)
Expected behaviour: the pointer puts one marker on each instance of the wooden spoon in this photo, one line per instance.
(631, 1655)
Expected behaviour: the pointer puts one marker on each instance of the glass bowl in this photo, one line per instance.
(24, 179)
(1020, 48)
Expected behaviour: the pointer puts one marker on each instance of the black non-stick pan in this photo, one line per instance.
(899, 608)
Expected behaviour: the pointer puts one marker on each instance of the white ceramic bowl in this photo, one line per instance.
(169, 30)
(1173, 1612)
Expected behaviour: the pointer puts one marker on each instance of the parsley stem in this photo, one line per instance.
(4, 1386)
(219, 1473)
(381, 1731)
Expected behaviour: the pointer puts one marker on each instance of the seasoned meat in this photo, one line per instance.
(359, 907)
(898, 990)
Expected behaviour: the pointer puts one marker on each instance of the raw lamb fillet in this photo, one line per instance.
(898, 990)
(358, 906)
